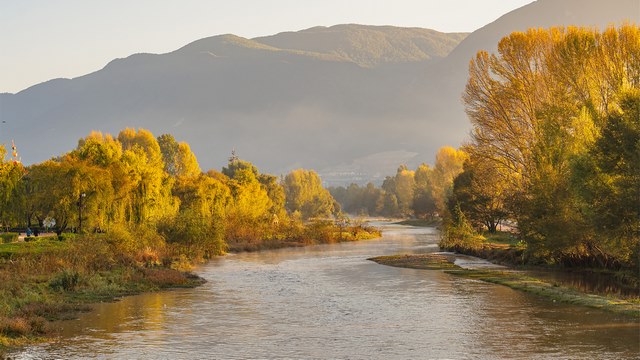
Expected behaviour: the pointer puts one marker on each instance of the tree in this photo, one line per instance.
(607, 179)
(150, 196)
(58, 187)
(177, 157)
(169, 148)
(537, 107)
(402, 187)
(479, 192)
(11, 173)
(449, 162)
(305, 194)
(424, 205)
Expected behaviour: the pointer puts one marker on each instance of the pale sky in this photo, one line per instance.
(45, 39)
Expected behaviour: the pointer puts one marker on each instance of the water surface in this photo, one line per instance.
(329, 302)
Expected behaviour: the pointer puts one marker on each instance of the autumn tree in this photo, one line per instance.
(480, 193)
(306, 195)
(607, 180)
(536, 106)
(424, 204)
(150, 198)
(448, 165)
(177, 157)
(11, 173)
(58, 188)
(399, 191)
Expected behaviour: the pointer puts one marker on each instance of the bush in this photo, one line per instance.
(9, 237)
(15, 326)
(66, 280)
(190, 229)
(67, 236)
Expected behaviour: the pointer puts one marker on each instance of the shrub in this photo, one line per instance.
(66, 280)
(9, 237)
(67, 236)
(191, 229)
(15, 327)
(165, 277)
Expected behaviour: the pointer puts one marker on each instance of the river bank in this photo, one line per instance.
(514, 279)
(46, 279)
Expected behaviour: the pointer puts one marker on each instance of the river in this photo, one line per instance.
(329, 302)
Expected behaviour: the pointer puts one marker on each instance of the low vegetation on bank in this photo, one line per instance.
(48, 279)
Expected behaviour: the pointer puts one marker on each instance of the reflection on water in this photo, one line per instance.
(330, 302)
(590, 282)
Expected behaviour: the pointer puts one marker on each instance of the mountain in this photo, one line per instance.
(369, 46)
(450, 76)
(351, 101)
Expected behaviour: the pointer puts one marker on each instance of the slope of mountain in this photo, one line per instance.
(281, 108)
(369, 46)
(351, 101)
(450, 76)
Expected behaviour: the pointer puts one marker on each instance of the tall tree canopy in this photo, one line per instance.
(547, 99)
(305, 194)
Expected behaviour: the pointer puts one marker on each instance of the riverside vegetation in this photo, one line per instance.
(554, 157)
(133, 214)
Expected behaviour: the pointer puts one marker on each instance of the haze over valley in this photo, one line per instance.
(352, 101)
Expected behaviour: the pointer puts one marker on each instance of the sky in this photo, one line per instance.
(44, 39)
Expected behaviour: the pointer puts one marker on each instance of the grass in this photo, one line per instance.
(47, 279)
(501, 237)
(420, 261)
(34, 247)
(514, 280)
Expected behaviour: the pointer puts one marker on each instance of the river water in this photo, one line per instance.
(329, 302)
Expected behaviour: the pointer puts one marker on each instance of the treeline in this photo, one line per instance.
(133, 213)
(420, 193)
(149, 194)
(556, 145)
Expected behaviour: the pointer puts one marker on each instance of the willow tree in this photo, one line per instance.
(72, 192)
(150, 198)
(12, 207)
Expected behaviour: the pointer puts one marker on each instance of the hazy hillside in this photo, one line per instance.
(352, 101)
(369, 45)
(446, 80)
(281, 108)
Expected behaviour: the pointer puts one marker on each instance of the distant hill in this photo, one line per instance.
(351, 101)
(369, 46)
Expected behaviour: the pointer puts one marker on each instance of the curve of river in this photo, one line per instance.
(329, 302)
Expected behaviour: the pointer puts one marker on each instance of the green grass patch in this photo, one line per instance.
(39, 246)
(9, 237)
(501, 237)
